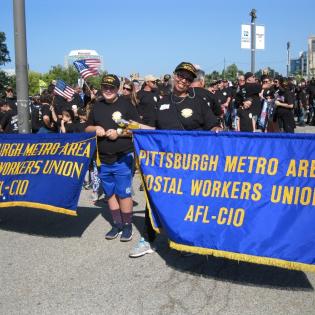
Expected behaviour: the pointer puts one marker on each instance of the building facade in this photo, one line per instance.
(298, 66)
(82, 54)
(311, 56)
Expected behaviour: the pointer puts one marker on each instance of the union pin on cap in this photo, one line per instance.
(111, 79)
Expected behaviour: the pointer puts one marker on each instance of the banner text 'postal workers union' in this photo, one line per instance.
(248, 197)
(44, 171)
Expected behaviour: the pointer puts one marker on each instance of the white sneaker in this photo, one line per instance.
(142, 248)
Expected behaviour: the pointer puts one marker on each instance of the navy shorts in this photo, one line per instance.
(116, 178)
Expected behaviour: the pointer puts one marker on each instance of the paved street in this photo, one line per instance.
(57, 264)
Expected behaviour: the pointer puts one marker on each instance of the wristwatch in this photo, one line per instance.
(119, 131)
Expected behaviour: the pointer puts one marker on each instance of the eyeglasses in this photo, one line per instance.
(180, 77)
(153, 82)
(265, 81)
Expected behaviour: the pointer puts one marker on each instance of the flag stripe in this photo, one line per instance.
(64, 90)
(87, 67)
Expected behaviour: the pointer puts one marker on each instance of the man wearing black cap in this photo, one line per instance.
(250, 89)
(9, 117)
(115, 152)
(224, 95)
(166, 87)
(9, 97)
(178, 111)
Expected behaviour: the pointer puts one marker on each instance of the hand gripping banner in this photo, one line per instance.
(243, 196)
(44, 171)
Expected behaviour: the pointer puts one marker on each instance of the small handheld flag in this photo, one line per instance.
(87, 67)
(64, 90)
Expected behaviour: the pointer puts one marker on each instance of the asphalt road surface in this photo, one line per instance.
(57, 264)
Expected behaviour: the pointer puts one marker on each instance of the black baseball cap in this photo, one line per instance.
(111, 79)
(188, 67)
(167, 77)
(248, 75)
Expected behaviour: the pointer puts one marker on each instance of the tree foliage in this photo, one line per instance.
(4, 53)
(69, 75)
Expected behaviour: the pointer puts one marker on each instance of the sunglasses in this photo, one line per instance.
(127, 88)
(266, 81)
(108, 87)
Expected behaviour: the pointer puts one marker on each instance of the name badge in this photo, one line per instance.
(164, 106)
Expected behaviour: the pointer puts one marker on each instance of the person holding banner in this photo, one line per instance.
(180, 110)
(115, 151)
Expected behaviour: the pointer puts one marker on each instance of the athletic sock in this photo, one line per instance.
(116, 215)
(126, 217)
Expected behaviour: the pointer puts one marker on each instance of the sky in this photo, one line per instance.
(152, 37)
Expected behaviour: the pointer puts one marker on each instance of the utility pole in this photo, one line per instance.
(224, 68)
(253, 15)
(302, 64)
(288, 62)
(21, 66)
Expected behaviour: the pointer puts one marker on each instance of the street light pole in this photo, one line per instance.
(253, 39)
(21, 66)
(288, 62)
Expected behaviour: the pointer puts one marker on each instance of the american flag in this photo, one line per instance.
(87, 67)
(64, 90)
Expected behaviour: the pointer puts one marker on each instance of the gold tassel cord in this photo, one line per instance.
(244, 257)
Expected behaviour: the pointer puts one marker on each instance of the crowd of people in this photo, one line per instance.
(181, 101)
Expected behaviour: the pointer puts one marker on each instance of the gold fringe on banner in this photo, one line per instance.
(244, 257)
(36, 205)
(155, 228)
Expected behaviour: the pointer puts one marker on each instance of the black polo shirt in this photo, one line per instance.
(223, 95)
(210, 99)
(9, 122)
(246, 119)
(148, 98)
(104, 114)
(189, 113)
(252, 90)
(269, 93)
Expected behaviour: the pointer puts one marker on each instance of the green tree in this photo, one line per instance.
(70, 75)
(96, 81)
(268, 71)
(213, 76)
(232, 72)
(33, 82)
(5, 80)
(4, 53)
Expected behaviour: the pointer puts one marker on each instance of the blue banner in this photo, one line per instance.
(44, 171)
(244, 196)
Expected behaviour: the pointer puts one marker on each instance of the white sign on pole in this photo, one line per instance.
(246, 36)
(260, 37)
(80, 82)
